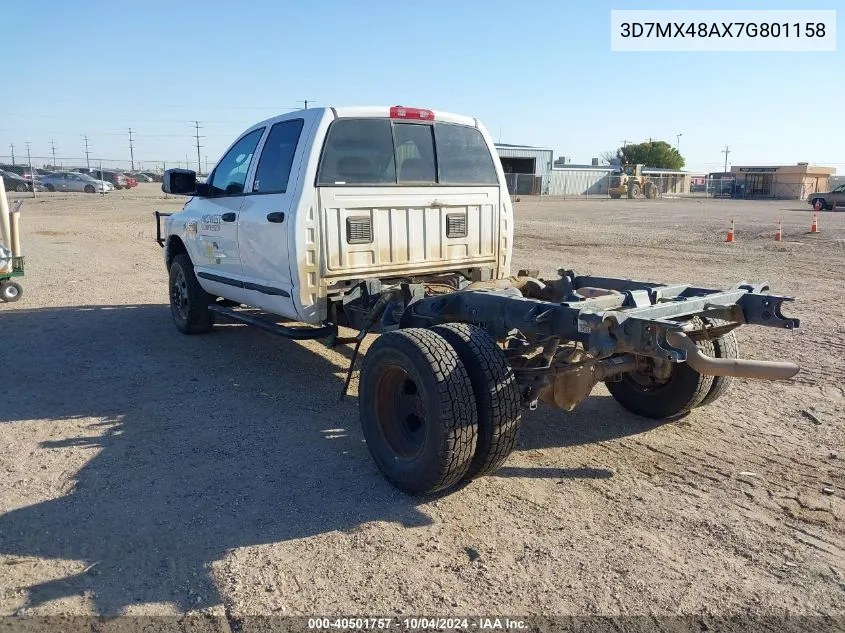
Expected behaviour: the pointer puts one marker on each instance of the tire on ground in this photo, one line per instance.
(188, 301)
(417, 410)
(723, 347)
(633, 191)
(497, 395)
(10, 291)
(684, 390)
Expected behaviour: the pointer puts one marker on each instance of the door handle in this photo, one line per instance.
(228, 217)
(276, 217)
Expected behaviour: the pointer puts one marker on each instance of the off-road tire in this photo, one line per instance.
(633, 191)
(651, 191)
(431, 447)
(497, 395)
(191, 316)
(723, 347)
(684, 390)
(10, 291)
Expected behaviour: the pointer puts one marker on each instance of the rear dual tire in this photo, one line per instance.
(438, 406)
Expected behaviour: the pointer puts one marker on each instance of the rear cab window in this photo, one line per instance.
(371, 151)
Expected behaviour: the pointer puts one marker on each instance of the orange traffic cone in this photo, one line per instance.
(814, 227)
(730, 236)
(779, 232)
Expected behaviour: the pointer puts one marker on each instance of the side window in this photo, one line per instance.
(358, 151)
(230, 174)
(463, 156)
(274, 164)
(414, 153)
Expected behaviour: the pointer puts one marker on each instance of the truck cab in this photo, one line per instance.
(304, 206)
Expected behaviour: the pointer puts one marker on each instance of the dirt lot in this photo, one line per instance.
(142, 471)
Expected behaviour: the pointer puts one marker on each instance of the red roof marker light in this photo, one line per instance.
(419, 114)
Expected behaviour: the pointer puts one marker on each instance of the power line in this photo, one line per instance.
(131, 151)
(199, 163)
(87, 153)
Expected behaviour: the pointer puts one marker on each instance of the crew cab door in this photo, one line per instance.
(265, 216)
(214, 248)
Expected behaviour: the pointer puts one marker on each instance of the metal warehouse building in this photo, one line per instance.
(527, 169)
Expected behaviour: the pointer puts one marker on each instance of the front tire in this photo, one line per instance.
(417, 410)
(89, 188)
(10, 291)
(634, 191)
(497, 395)
(188, 301)
(50, 188)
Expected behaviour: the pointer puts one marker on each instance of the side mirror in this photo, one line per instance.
(180, 182)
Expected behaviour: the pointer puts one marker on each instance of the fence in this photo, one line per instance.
(600, 183)
(65, 164)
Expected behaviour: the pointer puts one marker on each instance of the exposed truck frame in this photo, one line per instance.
(463, 346)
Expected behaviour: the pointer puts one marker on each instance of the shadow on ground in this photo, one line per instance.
(200, 445)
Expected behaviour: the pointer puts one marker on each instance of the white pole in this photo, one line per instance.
(5, 229)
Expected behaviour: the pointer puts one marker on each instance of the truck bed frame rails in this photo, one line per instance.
(634, 319)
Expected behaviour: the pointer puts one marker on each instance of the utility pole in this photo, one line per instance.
(199, 163)
(206, 164)
(131, 151)
(12, 145)
(53, 150)
(726, 151)
(678, 142)
(305, 101)
(624, 143)
(29, 160)
(87, 153)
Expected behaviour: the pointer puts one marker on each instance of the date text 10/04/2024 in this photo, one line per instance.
(418, 624)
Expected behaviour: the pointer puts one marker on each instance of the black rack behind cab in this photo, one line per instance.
(158, 216)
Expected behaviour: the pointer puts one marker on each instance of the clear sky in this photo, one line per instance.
(537, 73)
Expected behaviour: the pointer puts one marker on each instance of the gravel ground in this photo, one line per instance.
(145, 472)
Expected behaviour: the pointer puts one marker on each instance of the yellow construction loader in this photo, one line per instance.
(630, 182)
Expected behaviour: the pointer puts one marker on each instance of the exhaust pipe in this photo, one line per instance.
(736, 367)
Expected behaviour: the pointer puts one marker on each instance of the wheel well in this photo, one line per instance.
(174, 247)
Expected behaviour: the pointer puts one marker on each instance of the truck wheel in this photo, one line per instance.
(417, 411)
(188, 301)
(649, 397)
(10, 291)
(634, 191)
(723, 347)
(497, 395)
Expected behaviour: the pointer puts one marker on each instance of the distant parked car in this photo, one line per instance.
(140, 177)
(131, 181)
(116, 178)
(72, 181)
(13, 182)
(827, 199)
(21, 170)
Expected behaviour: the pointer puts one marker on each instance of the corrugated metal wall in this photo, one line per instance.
(543, 157)
(579, 182)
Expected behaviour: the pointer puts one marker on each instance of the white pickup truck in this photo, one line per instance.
(397, 221)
